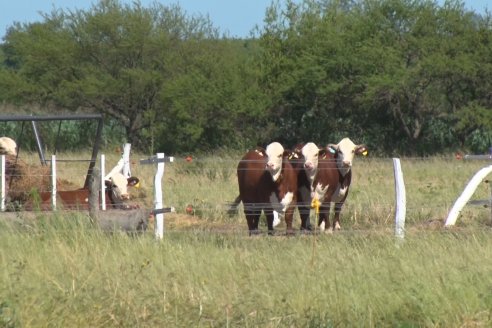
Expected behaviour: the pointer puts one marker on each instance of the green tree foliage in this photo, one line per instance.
(392, 72)
(162, 75)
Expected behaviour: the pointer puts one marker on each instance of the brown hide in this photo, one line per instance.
(256, 186)
(327, 175)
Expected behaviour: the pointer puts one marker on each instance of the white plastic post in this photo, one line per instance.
(123, 165)
(401, 199)
(3, 188)
(53, 182)
(465, 196)
(103, 185)
(158, 203)
(126, 160)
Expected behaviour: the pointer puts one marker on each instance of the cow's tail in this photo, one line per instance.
(233, 207)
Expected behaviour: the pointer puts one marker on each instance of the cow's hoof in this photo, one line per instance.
(254, 232)
(290, 232)
(308, 227)
(271, 232)
(328, 231)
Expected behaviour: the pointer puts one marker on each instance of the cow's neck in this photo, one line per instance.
(342, 169)
(311, 176)
(277, 177)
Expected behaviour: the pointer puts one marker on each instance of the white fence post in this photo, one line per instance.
(158, 201)
(159, 211)
(401, 199)
(3, 188)
(465, 196)
(103, 185)
(126, 160)
(53, 182)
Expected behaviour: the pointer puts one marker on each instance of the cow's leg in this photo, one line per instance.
(252, 217)
(289, 218)
(269, 218)
(304, 214)
(324, 217)
(336, 220)
(304, 207)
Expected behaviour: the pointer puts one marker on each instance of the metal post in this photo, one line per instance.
(39, 144)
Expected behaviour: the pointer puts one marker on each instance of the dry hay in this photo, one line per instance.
(24, 181)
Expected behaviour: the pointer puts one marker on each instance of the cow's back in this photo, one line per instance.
(254, 181)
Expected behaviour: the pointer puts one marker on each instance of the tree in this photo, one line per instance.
(112, 59)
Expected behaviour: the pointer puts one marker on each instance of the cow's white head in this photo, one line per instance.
(8, 146)
(120, 183)
(344, 153)
(275, 153)
(310, 153)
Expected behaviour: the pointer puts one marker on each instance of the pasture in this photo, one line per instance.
(57, 270)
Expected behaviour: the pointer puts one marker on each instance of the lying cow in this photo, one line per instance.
(327, 176)
(78, 199)
(267, 183)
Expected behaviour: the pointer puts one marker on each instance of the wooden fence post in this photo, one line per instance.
(94, 190)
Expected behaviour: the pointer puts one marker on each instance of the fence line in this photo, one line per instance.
(399, 206)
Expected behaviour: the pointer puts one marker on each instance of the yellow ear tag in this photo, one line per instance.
(137, 185)
(315, 203)
(364, 153)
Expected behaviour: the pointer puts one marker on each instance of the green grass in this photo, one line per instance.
(59, 271)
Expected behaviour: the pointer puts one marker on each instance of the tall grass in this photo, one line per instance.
(59, 271)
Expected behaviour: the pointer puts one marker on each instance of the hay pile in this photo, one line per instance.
(26, 181)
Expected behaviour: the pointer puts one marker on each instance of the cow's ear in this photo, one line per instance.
(298, 148)
(322, 152)
(134, 182)
(260, 151)
(109, 184)
(332, 148)
(293, 155)
(361, 149)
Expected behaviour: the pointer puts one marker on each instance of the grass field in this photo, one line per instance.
(59, 271)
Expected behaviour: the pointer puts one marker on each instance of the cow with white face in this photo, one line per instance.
(117, 187)
(305, 160)
(325, 176)
(8, 146)
(267, 183)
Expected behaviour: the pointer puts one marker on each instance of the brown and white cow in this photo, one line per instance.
(326, 177)
(78, 199)
(267, 182)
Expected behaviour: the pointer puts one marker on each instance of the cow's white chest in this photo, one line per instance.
(319, 191)
(281, 205)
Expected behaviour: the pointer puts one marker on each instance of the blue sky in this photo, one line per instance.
(237, 17)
